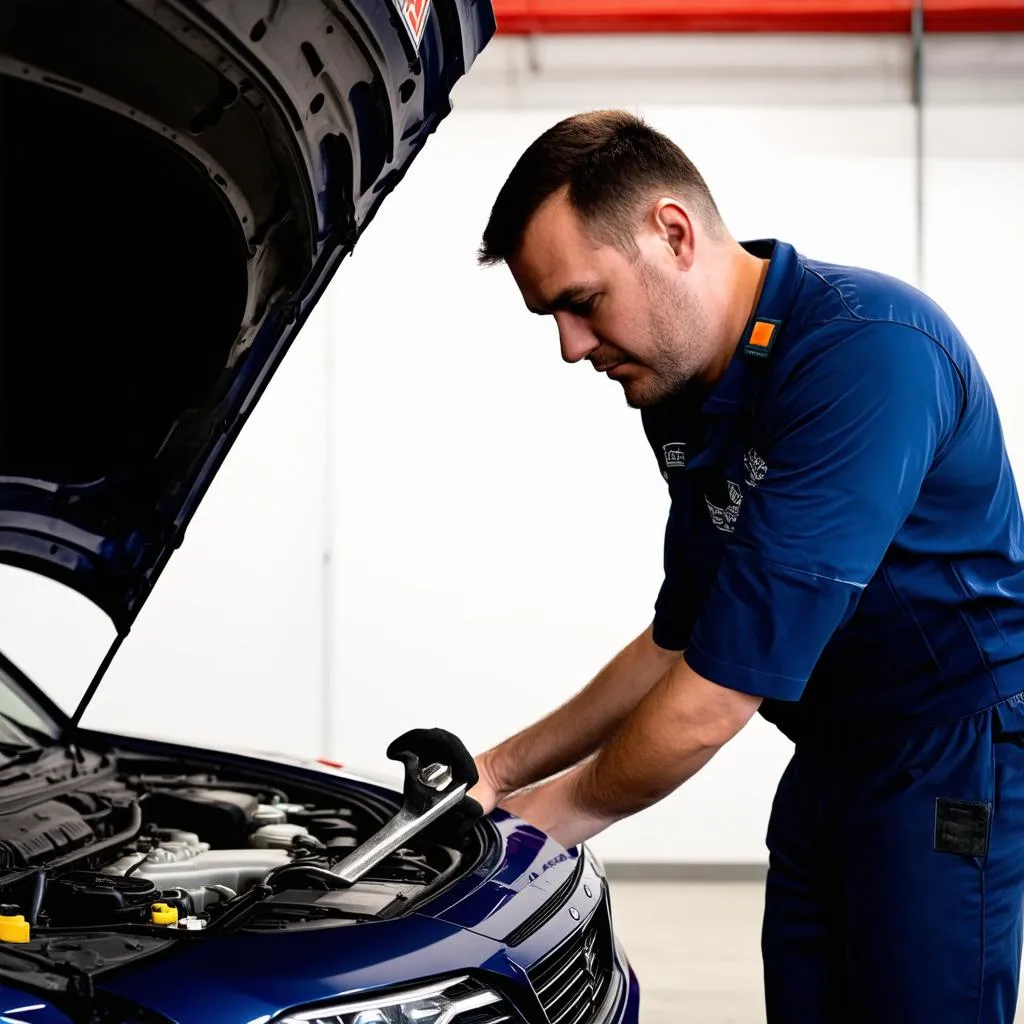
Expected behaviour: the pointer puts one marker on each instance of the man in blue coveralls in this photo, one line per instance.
(843, 554)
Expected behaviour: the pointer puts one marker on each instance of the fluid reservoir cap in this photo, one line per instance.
(276, 837)
(14, 928)
(268, 814)
(164, 913)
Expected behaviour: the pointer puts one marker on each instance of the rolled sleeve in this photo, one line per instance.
(849, 440)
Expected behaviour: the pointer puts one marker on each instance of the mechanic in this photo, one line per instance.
(842, 555)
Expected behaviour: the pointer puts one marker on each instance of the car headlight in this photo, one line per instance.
(441, 1003)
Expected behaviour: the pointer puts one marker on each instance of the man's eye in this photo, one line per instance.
(584, 308)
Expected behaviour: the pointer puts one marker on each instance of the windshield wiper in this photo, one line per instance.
(20, 755)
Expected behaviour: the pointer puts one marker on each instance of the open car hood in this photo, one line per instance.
(180, 180)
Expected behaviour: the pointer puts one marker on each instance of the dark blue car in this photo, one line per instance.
(179, 180)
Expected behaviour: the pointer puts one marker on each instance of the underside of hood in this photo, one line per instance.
(178, 182)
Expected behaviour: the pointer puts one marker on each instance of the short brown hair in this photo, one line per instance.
(609, 162)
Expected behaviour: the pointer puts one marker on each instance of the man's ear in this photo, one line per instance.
(673, 227)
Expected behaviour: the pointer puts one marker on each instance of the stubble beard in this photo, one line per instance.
(675, 323)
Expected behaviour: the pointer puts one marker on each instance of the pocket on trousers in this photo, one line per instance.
(962, 827)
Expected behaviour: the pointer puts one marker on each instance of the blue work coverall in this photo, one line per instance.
(845, 541)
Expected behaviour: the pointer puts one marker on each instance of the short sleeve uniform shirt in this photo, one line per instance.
(844, 535)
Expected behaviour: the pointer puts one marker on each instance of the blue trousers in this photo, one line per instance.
(896, 878)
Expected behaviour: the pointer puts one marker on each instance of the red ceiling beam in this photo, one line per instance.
(526, 17)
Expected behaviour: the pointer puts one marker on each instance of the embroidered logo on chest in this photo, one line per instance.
(724, 517)
(754, 467)
(675, 454)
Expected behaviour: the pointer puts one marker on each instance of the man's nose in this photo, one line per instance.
(575, 337)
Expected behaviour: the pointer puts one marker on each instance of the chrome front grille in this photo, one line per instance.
(572, 980)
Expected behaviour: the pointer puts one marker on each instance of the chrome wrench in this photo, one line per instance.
(439, 771)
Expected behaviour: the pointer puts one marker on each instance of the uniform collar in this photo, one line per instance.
(738, 386)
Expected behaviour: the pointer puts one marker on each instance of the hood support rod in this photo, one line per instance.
(94, 685)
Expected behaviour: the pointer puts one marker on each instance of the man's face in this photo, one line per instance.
(632, 317)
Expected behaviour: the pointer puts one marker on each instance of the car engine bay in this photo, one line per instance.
(149, 847)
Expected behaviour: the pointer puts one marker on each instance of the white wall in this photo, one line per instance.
(974, 265)
(494, 517)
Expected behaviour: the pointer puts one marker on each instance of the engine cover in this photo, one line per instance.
(31, 836)
(87, 898)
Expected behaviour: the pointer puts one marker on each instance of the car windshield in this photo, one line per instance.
(20, 722)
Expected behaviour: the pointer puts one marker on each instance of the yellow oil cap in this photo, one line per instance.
(163, 913)
(14, 928)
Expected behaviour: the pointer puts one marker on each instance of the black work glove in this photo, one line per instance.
(418, 748)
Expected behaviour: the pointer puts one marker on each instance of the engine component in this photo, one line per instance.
(176, 846)
(13, 926)
(86, 898)
(163, 913)
(306, 815)
(236, 869)
(222, 817)
(277, 837)
(32, 836)
(294, 810)
(270, 814)
(198, 901)
(335, 831)
(85, 803)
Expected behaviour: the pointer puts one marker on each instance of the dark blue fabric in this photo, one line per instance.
(865, 920)
(844, 537)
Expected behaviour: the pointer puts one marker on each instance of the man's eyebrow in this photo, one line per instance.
(565, 298)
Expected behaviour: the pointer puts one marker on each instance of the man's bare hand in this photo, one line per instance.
(487, 792)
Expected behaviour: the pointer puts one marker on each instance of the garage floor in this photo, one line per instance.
(696, 950)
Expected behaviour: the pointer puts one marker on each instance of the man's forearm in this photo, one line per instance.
(674, 731)
(583, 724)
